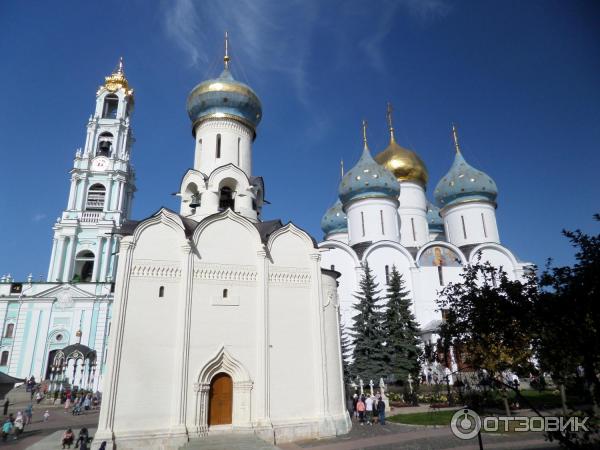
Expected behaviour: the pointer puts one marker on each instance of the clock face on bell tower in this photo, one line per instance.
(100, 164)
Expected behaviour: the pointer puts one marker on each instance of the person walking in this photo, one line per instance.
(83, 439)
(369, 409)
(38, 397)
(7, 428)
(29, 414)
(46, 416)
(354, 402)
(67, 439)
(360, 407)
(381, 411)
(19, 425)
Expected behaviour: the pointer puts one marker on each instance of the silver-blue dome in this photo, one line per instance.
(464, 183)
(368, 179)
(224, 97)
(434, 219)
(334, 220)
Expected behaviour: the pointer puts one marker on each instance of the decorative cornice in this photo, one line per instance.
(219, 272)
(152, 271)
(289, 276)
(232, 123)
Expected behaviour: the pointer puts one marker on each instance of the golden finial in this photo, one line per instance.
(342, 167)
(364, 127)
(389, 120)
(455, 138)
(117, 79)
(226, 57)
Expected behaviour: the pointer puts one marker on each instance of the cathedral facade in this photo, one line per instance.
(246, 319)
(72, 309)
(383, 218)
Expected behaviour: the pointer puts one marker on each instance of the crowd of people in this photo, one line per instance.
(74, 401)
(368, 409)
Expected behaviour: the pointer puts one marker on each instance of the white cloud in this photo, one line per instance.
(39, 217)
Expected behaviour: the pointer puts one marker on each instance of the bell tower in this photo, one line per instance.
(101, 193)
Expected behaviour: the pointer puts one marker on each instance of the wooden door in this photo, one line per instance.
(220, 403)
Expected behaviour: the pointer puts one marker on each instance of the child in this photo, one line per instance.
(46, 416)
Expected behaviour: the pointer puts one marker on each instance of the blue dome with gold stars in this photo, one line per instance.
(224, 97)
(464, 183)
(434, 219)
(334, 220)
(368, 179)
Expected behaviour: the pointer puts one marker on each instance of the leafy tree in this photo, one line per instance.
(368, 356)
(488, 317)
(402, 351)
(568, 315)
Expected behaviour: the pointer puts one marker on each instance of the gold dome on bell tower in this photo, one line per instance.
(402, 162)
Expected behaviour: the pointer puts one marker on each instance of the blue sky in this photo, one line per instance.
(519, 78)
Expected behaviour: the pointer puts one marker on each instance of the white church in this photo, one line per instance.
(383, 218)
(247, 318)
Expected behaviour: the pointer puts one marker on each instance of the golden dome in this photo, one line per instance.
(402, 162)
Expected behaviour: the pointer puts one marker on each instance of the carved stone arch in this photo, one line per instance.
(293, 229)
(163, 216)
(395, 245)
(343, 247)
(193, 176)
(499, 248)
(228, 171)
(447, 245)
(228, 215)
(223, 362)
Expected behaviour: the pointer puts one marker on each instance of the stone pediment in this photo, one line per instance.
(64, 290)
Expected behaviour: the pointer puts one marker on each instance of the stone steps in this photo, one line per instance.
(228, 442)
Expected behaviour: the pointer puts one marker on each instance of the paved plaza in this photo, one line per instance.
(42, 435)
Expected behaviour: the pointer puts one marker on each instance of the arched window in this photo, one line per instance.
(161, 291)
(218, 145)
(226, 199)
(111, 105)
(84, 266)
(10, 330)
(225, 293)
(105, 141)
(4, 358)
(95, 197)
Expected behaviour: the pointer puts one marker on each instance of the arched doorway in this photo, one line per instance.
(220, 400)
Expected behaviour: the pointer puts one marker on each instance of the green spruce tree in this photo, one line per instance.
(402, 351)
(366, 332)
(346, 352)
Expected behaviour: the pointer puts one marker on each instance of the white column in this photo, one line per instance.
(97, 258)
(107, 250)
(83, 195)
(262, 326)
(51, 267)
(60, 260)
(184, 313)
(70, 256)
(120, 196)
(110, 382)
(318, 334)
(72, 193)
(107, 200)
